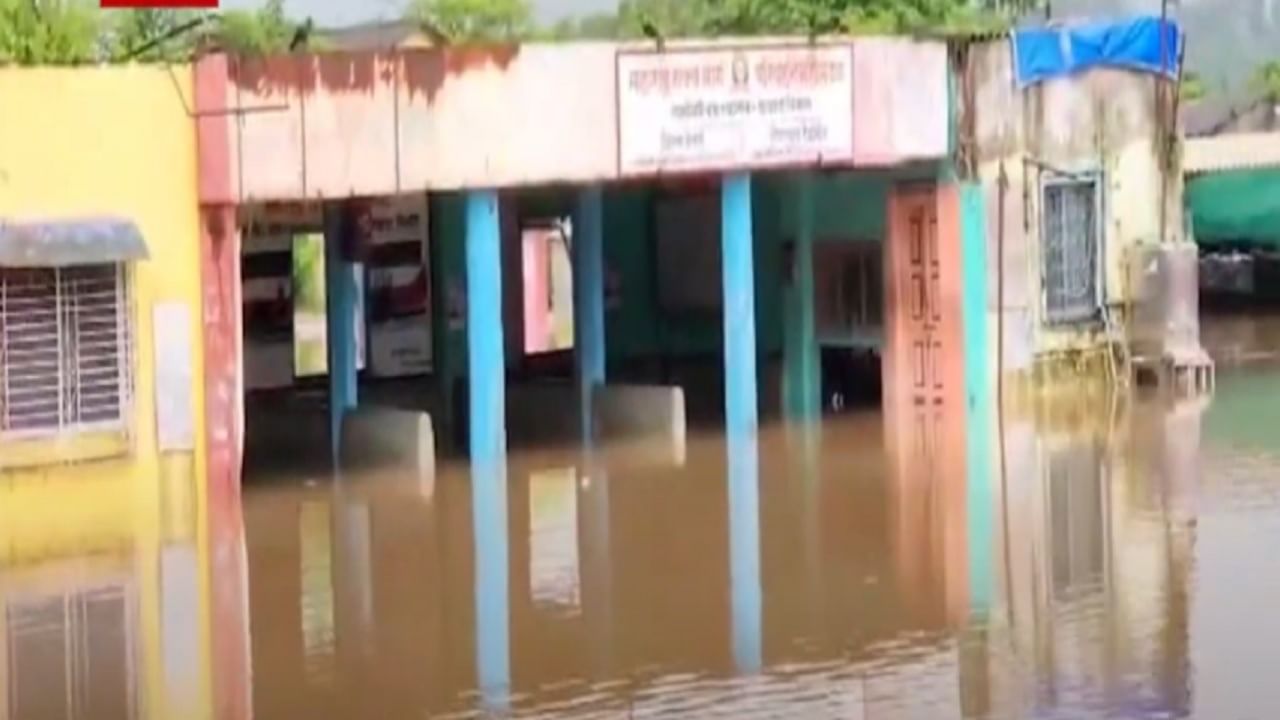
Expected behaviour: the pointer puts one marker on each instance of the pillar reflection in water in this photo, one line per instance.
(354, 576)
(744, 552)
(597, 571)
(492, 604)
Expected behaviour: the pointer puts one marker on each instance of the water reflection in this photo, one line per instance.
(1097, 558)
(111, 615)
(744, 552)
(1112, 560)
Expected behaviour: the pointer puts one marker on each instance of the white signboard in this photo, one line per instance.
(174, 375)
(399, 288)
(718, 109)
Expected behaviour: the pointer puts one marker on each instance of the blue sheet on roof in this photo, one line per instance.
(1040, 54)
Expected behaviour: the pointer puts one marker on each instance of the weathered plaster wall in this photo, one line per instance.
(339, 124)
(1101, 121)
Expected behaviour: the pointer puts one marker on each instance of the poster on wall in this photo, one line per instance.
(399, 287)
(174, 373)
(266, 270)
(283, 273)
(711, 109)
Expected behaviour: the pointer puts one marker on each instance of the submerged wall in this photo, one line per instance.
(1103, 121)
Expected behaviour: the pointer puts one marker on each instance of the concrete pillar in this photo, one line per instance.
(340, 307)
(485, 355)
(744, 554)
(802, 371)
(980, 406)
(588, 298)
(739, 305)
(492, 601)
(488, 440)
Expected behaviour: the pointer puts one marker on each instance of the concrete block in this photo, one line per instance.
(386, 439)
(645, 417)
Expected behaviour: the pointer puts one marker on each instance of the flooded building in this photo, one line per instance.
(700, 229)
(610, 217)
(1233, 180)
(1078, 154)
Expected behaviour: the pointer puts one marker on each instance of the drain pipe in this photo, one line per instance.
(1003, 187)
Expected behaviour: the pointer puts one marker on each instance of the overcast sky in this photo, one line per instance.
(342, 12)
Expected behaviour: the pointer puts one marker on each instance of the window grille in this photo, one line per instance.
(64, 350)
(1071, 251)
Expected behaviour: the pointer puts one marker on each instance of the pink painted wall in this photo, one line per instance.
(537, 321)
(901, 101)
(223, 348)
(375, 123)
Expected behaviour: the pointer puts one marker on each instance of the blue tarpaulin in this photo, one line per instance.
(1043, 53)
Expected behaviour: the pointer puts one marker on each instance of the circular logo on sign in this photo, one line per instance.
(741, 72)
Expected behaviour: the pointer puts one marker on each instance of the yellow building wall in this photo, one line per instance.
(119, 141)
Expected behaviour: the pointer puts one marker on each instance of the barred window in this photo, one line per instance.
(64, 349)
(1071, 251)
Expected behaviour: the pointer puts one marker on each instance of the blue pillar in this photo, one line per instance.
(488, 440)
(739, 305)
(744, 554)
(485, 358)
(493, 639)
(340, 309)
(588, 298)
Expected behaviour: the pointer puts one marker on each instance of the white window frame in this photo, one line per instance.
(1074, 317)
(68, 423)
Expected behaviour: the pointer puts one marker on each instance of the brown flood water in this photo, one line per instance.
(1124, 564)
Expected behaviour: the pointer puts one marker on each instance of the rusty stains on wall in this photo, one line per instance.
(422, 71)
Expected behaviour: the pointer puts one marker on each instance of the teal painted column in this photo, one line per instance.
(588, 299)
(980, 402)
(448, 331)
(485, 355)
(340, 311)
(738, 273)
(802, 372)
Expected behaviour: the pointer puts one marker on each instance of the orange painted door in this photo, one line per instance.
(924, 375)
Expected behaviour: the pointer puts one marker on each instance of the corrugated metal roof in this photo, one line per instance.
(1240, 151)
(81, 241)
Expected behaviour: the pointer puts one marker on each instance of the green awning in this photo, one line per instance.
(80, 241)
(1235, 205)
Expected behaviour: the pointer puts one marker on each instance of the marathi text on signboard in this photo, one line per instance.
(718, 109)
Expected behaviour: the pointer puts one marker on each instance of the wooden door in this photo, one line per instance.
(924, 399)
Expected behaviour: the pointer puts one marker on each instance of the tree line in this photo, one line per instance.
(63, 32)
(68, 32)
